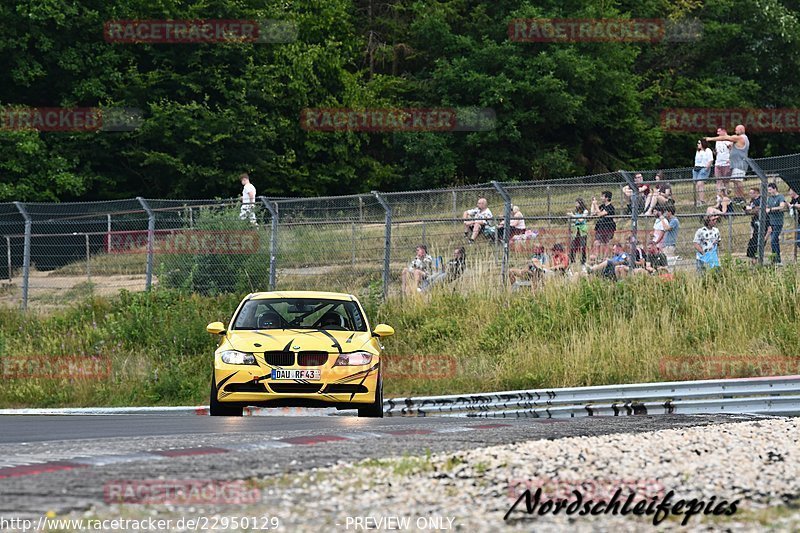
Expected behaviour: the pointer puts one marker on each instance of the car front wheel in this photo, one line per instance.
(217, 408)
(375, 409)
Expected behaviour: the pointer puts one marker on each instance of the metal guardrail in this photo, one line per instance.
(763, 395)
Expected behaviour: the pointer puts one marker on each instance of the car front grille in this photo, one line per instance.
(312, 358)
(296, 388)
(279, 358)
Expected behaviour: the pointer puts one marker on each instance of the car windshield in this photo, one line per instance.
(300, 313)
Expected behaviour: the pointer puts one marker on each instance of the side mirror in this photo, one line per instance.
(383, 330)
(216, 328)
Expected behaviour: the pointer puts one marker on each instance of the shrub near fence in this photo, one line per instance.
(356, 243)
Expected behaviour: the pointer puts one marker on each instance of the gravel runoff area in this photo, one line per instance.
(755, 464)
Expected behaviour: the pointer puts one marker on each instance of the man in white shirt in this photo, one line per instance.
(248, 200)
(477, 220)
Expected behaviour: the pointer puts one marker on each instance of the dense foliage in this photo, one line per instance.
(214, 110)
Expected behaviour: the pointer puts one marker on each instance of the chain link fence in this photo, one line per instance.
(59, 252)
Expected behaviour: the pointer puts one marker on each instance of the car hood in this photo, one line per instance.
(299, 340)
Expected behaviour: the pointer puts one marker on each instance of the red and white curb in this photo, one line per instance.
(23, 465)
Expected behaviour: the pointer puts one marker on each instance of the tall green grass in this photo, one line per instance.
(570, 333)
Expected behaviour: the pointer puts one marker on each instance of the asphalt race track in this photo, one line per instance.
(62, 463)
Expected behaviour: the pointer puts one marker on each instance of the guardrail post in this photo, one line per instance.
(151, 235)
(272, 207)
(506, 228)
(26, 253)
(634, 216)
(387, 245)
(762, 210)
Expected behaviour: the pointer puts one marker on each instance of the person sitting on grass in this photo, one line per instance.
(622, 271)
(535, 270)
(453, 269)
(661, 195)
(417, 271)
(517, 224)
(723, 206)
(478, 221)
(607, 268)
(559, 261)
(655, 261)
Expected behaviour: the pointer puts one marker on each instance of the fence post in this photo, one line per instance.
(634, 217)
(88, 270)
(108, 244)
(455, 204)
(151, 235)
(549, 200)
(506, 227)
(762, 211)
(387, 246)
(353, 243)
(26, 253)
(272, 207)
(8, 255)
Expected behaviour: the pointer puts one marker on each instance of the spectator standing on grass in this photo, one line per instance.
(477, 220)
(722, 165)
(579, 230)
(418, 270)
(703, 159)
(660, 226)
(794, 213)
(453, 270)
(776, 207)
(606, 226)
(706, 243)
(753, 209)
(670, 240)
(739, 150)
(247, 210)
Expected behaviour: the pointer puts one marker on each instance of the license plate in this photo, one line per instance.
(295, 374)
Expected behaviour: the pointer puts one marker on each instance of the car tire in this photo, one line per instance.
(217, 408)
(375, 409)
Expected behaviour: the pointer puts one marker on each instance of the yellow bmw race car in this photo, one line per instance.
(298, 349)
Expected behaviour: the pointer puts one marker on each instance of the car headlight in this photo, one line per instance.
(354, 359)
(234, 357)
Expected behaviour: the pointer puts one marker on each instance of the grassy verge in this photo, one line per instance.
(571, 333)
